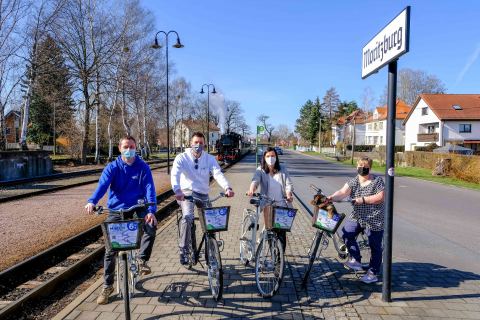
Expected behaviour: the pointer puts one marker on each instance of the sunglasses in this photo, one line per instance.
(196, 163)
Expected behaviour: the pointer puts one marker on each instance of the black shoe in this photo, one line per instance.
(183, 259)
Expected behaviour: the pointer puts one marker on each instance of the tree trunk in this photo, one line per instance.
(3, 129)
(124, 111)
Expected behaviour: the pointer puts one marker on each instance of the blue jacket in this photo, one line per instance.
(128, 184)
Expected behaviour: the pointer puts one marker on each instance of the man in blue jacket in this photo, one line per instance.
(130, 179)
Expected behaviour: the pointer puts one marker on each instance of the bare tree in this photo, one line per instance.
(268, 127)
(234, 118)
(412, 83)
(12, 12)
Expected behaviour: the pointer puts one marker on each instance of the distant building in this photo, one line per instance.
(338, 128)
(12, 124)
(376, 125)
(354, 128)
(184, 130)
(444, 119)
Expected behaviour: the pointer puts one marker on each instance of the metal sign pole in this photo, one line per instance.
(389, 180)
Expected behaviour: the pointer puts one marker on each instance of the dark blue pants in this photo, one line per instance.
(145, 250)
(351, 229)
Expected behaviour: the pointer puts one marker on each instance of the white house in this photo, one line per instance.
(357, 120)
(184, 130)
(444, 119)
(338, 129)
(376, 127)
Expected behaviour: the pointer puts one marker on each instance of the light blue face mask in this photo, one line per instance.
(129, 153)
(198, 148)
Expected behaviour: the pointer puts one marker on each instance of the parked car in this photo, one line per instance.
(279, 150)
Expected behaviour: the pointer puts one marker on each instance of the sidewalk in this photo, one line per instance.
(420, 291)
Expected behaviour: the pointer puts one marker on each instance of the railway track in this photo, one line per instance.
(37, 277)
(18, 190)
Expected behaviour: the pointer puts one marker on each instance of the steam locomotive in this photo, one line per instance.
(230, 146)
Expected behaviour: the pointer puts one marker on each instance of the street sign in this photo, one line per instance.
(387, 45)
(260, 130)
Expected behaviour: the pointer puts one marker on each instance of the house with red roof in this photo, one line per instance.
(444, 119)
(376, 125)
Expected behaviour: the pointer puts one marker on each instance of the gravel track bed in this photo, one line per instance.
(32, 225)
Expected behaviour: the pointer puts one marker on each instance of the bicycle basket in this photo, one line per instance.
(283, 218)
(123, 235)
(214, 219)
(327, 218)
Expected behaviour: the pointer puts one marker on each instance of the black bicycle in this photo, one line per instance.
(124, 237)
(212, 220)
(327, 221)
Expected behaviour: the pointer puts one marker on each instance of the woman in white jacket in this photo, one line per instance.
(274, 182)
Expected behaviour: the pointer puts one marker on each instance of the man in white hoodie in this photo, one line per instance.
(190, 176)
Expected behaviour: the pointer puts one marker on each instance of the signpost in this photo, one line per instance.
(260, 130)
(385, 48)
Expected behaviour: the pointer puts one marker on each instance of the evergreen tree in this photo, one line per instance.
(308, 123)
(345, 108)
(51, 106)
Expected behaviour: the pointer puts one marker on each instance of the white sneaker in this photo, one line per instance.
(354, 264)
(369, 277)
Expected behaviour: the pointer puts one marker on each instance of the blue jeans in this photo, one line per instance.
(351, 229)
(145, 250)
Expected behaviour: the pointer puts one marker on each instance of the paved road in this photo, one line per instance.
(433, 223)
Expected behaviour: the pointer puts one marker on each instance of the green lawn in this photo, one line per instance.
(413, 172)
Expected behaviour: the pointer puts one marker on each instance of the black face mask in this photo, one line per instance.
(363, 171)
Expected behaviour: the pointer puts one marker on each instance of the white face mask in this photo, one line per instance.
(270, 160)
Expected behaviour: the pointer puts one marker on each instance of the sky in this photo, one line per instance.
(272, 56)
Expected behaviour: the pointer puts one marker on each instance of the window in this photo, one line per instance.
(369, 126)
(375, 126)
(465, 128)
(8, 131)
(380, 125)
(424, 111)
(457, 107)
(431, 129)
(381, 139)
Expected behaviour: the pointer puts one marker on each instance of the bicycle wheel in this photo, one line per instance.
(246, 246)
(312, 254)
(214, 267)
(269, 265)
(124, 285)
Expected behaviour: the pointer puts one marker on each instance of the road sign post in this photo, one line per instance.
(385, 48)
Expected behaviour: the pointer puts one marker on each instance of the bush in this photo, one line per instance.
(427, 148)
(361, 148)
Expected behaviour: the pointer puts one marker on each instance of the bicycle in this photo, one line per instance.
(124, 237)
(212, 220)
(327, 221)
(269, 256)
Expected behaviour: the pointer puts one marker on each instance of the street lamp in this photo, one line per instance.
(177, 45)
(208, 111)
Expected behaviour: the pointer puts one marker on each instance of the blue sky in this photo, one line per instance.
(272, 56)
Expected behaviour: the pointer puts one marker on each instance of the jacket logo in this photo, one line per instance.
(135, 177)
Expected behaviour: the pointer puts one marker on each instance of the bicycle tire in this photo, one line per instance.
(274, 265)
(125, 293)
(246, 246)
(312, 254)
(214, 267)
(134, 269)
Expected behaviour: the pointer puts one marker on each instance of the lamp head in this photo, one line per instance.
(214, 92)
(156, 45)
(202, 92)
(178, 45)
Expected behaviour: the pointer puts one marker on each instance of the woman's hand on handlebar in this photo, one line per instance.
(289, 197)
(89, 208)
(229, 193)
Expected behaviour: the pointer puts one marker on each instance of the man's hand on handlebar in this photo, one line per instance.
(89, 208)
(229, 193)
(179, 195)
(150, 219)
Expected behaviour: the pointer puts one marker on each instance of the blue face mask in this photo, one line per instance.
(129, 153)
(197, 148)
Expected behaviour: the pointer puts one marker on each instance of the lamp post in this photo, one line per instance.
(208, 111)
(177, 45)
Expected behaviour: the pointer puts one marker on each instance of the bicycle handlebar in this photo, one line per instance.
(192, 198)
(99, 210)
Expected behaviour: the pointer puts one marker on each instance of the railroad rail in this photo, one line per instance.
(59, 176)
(37, 277)
(5, 197)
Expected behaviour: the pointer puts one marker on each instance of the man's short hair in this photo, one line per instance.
(127, 137)
(197, 134)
